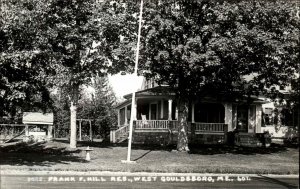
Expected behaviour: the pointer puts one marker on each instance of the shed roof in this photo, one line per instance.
(38, 118)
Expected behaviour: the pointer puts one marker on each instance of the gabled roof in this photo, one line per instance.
(37, 118)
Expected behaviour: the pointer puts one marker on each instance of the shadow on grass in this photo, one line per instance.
(107, 144)
(102, 144)
(37, 154)
(200, 149)
(276, 181)
(142, 155)
(227, 149)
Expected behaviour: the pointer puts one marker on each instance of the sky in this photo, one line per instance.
(125, 84)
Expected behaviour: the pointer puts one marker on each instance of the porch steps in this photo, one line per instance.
(122, 138)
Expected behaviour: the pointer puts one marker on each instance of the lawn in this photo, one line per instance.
(105, 157)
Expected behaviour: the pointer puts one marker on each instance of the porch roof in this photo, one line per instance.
(155, 91)
(126, 102)
(160, 91)
(152, 92)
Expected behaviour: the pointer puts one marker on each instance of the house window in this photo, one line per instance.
(122, 116)
(289, 117)
(209, 113)
(268, 118)
(128, 113)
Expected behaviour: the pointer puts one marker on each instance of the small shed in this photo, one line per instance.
(43, 123)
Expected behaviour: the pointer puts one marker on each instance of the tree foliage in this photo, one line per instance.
(98, 106)
(236, 47)
(95, 103)
(60, 42)
(249, 45)
(23, 68)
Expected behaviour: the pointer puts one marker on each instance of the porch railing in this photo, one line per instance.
(119, 133)
(173, 125)
(151, 124)
(211, 127)
(122, 132)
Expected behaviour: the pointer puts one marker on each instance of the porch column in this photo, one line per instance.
(119, 117)
(149, 111)
(170, 109)
(125, 123)
(228, 115)
(134, 110)
(258, 118)
(193, 113)
(234, 116)
(162, 109)
(251, 118)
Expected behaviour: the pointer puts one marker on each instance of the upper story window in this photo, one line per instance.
(149, 83)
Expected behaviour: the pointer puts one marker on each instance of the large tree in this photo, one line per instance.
(235, 47)
(74, 39)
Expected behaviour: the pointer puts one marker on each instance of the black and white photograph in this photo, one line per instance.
(149, 94)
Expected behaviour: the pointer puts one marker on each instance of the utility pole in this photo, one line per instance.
(133, 93)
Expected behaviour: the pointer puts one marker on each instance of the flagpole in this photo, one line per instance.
(133, 105)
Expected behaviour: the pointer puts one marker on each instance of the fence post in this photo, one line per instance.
(112, 135)
(91, 131)
(26, 130)
(50, 130)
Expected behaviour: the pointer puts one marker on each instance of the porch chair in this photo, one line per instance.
(145, 123)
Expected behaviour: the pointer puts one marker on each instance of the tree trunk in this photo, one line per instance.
(182, 143)
(73, 110)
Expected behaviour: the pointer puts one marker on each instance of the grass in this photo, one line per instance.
(105, 157)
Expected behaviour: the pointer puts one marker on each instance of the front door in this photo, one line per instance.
(153, 111)
(242, 118)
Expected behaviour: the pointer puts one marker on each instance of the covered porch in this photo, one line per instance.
(156, 111)
(160, 115)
